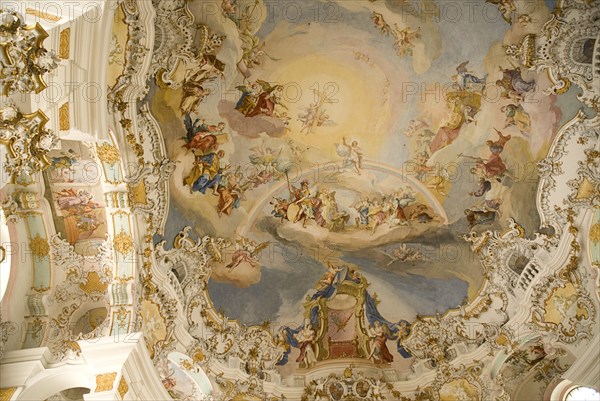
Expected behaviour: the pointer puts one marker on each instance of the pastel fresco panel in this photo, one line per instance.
(344, 153)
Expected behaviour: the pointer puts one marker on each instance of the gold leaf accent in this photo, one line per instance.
(39, 246)
(595, 233)
(105, 381)
(565, 88)
(42, 14)
(586, 189)
(64, 43)
(123, 387)
(502, 339)
(186, 365)
(93, 284)
(138, 193)
(123, 243)
(198, 356)
(7, 393)
(64, 122)
(108, 153)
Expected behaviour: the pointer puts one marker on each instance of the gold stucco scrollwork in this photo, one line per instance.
(7, 393)
(24, 59)
(64, 122)
(39, 247)
(595, 233)
(123, 387)
(108, 154)
(64, 43)
(123, 243)
(27, 140)
(105, 381)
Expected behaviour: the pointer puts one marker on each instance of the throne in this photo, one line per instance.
(341, 330)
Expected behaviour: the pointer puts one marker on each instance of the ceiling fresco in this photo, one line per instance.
(340, 141)
(316, 200)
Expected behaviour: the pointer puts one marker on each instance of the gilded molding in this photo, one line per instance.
(123, 387)
(42, 14)
(7, 393)
(64, 122)
(64, 44)
(105, 381)
(123, 243)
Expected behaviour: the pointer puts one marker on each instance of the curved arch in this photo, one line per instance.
(367, 165)
(50, 382)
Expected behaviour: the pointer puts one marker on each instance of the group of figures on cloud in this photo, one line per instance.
(253, 50)
(304, 206)
(210, 172)
(376, 328)
(404, 39)
(491, 174)
(465, 102)
(399, 208)
(248, 251)
(261, 98)
(352, 154)
(194, 85)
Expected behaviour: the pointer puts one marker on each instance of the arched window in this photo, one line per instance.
(581, 393)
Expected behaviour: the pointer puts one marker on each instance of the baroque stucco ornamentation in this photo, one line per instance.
(562, 308)
(87, 280)
(586, 187)
(23, 59)
(250, 389)
(506, 255)
(581, 130)
(216, 339)
(123, 243)
(175, 30)
(347, 386)
(105, 381)
(7, 329)
(27, 141)
(152, 176)
(563, 49)
(79, 270)
(130, 84)
(108, 153)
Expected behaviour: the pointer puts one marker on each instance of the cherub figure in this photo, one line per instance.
(247, 251)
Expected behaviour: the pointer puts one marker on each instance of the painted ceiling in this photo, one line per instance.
(342, 151)
(360, 137)
(347, 200)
